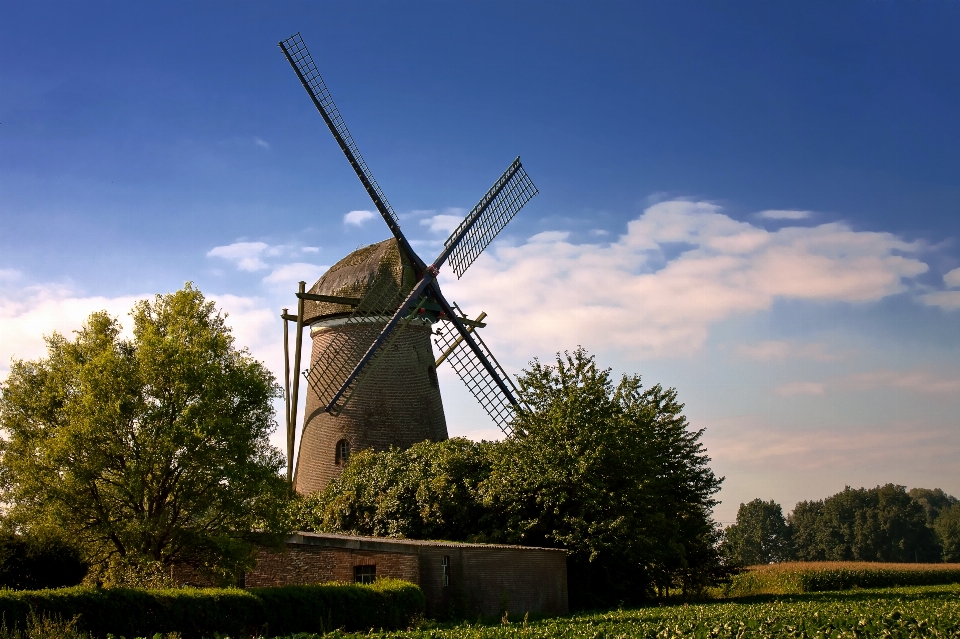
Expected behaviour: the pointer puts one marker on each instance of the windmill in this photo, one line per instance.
(372, 314)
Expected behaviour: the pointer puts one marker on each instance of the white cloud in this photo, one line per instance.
(949, 300)
(244, 255)
(442, 223)
(261, 143)
(952, 278)
(628, 297)
(357, 218)
(285, 278)
(599, 232)
(549, 236)
(924, 382)
(311, 249)
(784, 215)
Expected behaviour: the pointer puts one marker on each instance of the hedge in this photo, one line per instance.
(203, 612)
(799, 577)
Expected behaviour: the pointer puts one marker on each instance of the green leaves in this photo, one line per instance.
(152, 448)
(760, 536)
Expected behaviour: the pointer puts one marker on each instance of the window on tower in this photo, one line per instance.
(343, 452)
(432, 373)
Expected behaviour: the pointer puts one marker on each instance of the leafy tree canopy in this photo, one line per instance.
(760, 536)
(864, 524)
(152, 448)
(934, 501)
(610, 471)
(947, 527)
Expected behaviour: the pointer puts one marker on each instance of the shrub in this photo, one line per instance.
(195, 613)
(30, 562)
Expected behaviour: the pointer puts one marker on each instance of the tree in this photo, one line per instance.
(876, 524)
(428, 491)
(947, 526)
(150, 449)
(613, 474)
(760, 536)
(29, 562)
(933, 501)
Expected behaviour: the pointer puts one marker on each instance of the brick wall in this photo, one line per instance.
(300, 564)
(398, 405)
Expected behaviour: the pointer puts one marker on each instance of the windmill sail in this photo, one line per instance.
(476, 377)
(489, 216)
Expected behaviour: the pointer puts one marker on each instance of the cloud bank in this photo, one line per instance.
(680, 268)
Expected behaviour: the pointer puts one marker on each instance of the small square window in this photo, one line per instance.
(365, 574)
(445, 564)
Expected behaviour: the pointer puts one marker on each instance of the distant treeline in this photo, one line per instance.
(886, 523)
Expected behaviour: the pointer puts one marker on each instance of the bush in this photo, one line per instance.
(30, 562)
(793, 578)
(196, 613)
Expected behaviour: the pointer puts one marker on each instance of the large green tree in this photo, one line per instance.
(145, 449)
(760, 536)
(612, 472)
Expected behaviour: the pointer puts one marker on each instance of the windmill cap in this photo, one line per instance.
(383, 265)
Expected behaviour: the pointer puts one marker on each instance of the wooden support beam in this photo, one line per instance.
(470, 324)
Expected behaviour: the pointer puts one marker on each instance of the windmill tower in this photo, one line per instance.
(372, 380)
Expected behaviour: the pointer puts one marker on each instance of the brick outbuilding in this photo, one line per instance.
(457, 578)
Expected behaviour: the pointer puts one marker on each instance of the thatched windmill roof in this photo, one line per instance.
(383, 265)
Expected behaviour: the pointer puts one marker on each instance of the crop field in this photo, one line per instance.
(926, 611)
(798, 577)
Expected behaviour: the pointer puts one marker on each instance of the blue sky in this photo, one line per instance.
(757, 203)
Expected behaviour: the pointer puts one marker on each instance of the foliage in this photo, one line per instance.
(947, 527)
(800, 577)
(150, 449)
(933, 501)
(905, 613)
(428, 491)
(875, 524)
(611, 472)
(760, 536)
(203, 612)
(30, 562)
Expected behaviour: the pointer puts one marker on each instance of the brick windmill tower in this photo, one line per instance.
(372, 380)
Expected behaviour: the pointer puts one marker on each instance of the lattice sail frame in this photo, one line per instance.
(475, 376)
(303, 61)
(347, 347)
(504, 199)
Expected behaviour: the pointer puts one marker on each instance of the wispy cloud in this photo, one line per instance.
(924, 382)
(628, 296)
(784, 215)
(261, 143)
(781, 350)
(286, 276)
(952, 278)
(244, 255)
(357, 218)
(442, 223)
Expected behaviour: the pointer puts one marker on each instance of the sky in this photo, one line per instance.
(755, 203)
